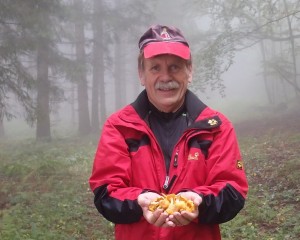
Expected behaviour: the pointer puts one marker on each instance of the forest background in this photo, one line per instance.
(67, 65)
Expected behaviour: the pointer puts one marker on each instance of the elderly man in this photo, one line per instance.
(167, 142)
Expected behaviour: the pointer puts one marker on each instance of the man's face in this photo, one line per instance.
(166, 78)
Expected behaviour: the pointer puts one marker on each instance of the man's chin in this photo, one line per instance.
(168, 105)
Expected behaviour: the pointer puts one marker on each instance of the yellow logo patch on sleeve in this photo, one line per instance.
(239, 164)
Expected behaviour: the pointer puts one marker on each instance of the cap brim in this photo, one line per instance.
(174, 48)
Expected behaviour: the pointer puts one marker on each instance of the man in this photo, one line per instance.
(167, 141)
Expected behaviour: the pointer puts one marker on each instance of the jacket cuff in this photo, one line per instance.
(149, 190)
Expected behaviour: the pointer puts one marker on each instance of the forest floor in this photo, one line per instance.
(271, 151)
(44, 191)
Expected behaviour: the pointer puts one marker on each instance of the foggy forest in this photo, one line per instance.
(67, 65)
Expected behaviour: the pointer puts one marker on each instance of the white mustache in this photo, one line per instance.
(167, 85)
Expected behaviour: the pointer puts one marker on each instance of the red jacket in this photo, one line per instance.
(206, 160)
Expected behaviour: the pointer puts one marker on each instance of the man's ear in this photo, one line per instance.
(190, 74)
(142, 77)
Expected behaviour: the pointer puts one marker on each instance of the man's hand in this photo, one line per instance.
(158, 218)
(184, 217)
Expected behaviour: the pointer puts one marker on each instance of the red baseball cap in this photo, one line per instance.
(160, 39)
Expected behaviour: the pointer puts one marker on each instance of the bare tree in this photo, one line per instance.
(43, 91)
(84, 126)
(98, 86)
(247, 23)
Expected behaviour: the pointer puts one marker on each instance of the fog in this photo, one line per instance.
(244, 87)
(250, 66)
(67, 65)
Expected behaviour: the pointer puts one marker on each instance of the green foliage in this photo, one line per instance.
(272, 165)
(45, 193)
(23, 27)
(270, 25)
(212, 61)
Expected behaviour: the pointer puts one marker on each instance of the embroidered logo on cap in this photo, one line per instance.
(164, 34)
(212, 122)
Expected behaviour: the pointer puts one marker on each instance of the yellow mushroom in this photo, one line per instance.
(172, 203)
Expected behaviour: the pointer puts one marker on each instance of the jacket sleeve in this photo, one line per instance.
(110, 179)
(225, 189)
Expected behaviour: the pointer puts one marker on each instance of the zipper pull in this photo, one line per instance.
(166, 183)
(175, 164)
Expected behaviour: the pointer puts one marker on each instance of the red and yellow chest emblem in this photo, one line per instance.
(193, 156)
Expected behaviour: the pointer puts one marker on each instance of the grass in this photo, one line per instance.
(271, 211)
(44, 190)
(45, 194)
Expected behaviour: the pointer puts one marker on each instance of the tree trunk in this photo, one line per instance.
(84, 126)
(43, 90)
(120, 88)
(73, 105)
(293, 49)
(2, 132)
(102, 101)
(102, 96)
(98, 62)
(265, 78)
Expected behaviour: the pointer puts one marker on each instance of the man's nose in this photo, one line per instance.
(165, 75)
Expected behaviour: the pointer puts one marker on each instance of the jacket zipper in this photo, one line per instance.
(167, 183)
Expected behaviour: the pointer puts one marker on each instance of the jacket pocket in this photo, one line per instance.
(198, 146)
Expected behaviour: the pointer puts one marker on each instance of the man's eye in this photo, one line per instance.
(155, 68)
(174, 68)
